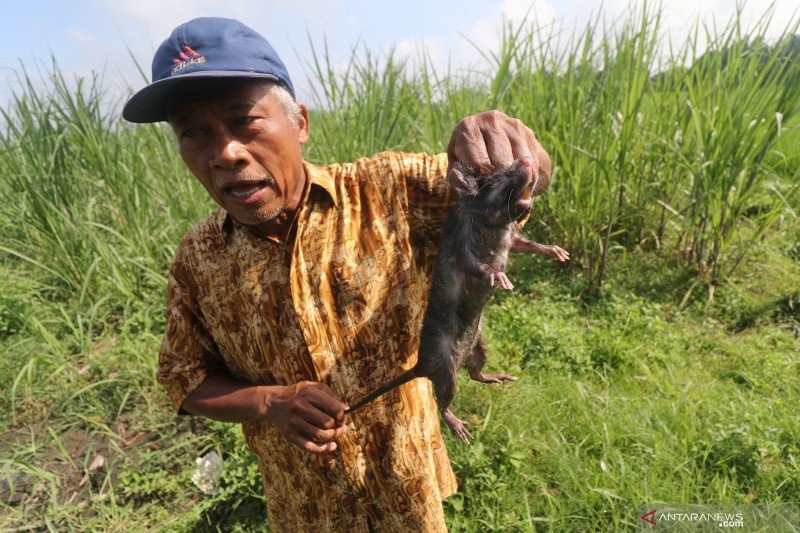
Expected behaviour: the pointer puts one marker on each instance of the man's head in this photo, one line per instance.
(230, 102)
(243, 144)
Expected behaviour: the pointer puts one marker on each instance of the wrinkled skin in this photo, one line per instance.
(246, 152)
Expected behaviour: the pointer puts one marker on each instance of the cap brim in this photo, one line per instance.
(151, 103)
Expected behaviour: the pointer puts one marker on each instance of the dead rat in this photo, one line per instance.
(478, 233)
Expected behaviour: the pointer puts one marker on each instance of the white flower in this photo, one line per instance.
(678, 137)
(616, 123)
(208, 472)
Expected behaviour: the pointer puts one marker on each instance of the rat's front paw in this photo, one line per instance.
(504, 281)
(497, 276)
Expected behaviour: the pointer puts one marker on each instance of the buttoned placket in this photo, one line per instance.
(300, 284)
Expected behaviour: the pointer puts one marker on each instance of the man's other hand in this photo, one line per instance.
(309, 414)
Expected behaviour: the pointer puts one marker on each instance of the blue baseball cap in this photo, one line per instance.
(203, 49)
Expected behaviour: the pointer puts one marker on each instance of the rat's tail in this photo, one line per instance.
(405, 377)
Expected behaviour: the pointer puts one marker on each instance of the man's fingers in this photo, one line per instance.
(498, 148)
(319, 419)
(492, 141)
(505, 139)
(525, 144)
(312, 438)
(320, 435)
(467, 145)
(331, 406)
(309, 415)
(313, 447)
(308, 432)
(324, 404)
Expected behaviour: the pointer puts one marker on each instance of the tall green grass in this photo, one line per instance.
(82, 188)
(93, 209)
(665, 181)
(694, 158)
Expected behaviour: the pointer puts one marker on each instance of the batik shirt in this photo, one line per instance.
(341, 303)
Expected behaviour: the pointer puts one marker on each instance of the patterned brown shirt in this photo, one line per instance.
(342, 303)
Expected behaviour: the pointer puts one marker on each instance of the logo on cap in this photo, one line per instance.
(185, 58)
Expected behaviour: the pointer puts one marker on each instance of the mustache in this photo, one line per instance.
(244, 177)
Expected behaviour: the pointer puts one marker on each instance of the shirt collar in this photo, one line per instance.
(321, 177)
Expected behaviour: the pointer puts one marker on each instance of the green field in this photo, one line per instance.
(661, 366)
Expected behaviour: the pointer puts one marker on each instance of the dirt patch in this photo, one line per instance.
(78, 465)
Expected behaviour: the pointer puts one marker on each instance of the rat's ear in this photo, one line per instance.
(459, 180)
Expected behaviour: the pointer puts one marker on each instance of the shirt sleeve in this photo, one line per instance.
(188, 355)
(428, 193)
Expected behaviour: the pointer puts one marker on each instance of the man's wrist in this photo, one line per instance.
(270, 399)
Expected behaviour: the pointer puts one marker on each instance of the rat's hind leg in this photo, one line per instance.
(445, 385)
(476, 360)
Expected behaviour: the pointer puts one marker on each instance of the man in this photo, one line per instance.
(307, 287)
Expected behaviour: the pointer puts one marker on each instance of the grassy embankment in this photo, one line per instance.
(661, 366)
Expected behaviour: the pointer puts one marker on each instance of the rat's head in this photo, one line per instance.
(500, 197)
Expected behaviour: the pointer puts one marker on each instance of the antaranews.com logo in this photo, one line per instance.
(754, 517)
(723, 520)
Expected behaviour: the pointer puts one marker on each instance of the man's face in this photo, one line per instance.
(238, 140)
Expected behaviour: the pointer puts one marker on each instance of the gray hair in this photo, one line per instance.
(288, 103)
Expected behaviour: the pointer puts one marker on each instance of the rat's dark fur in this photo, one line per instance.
(479, 232)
